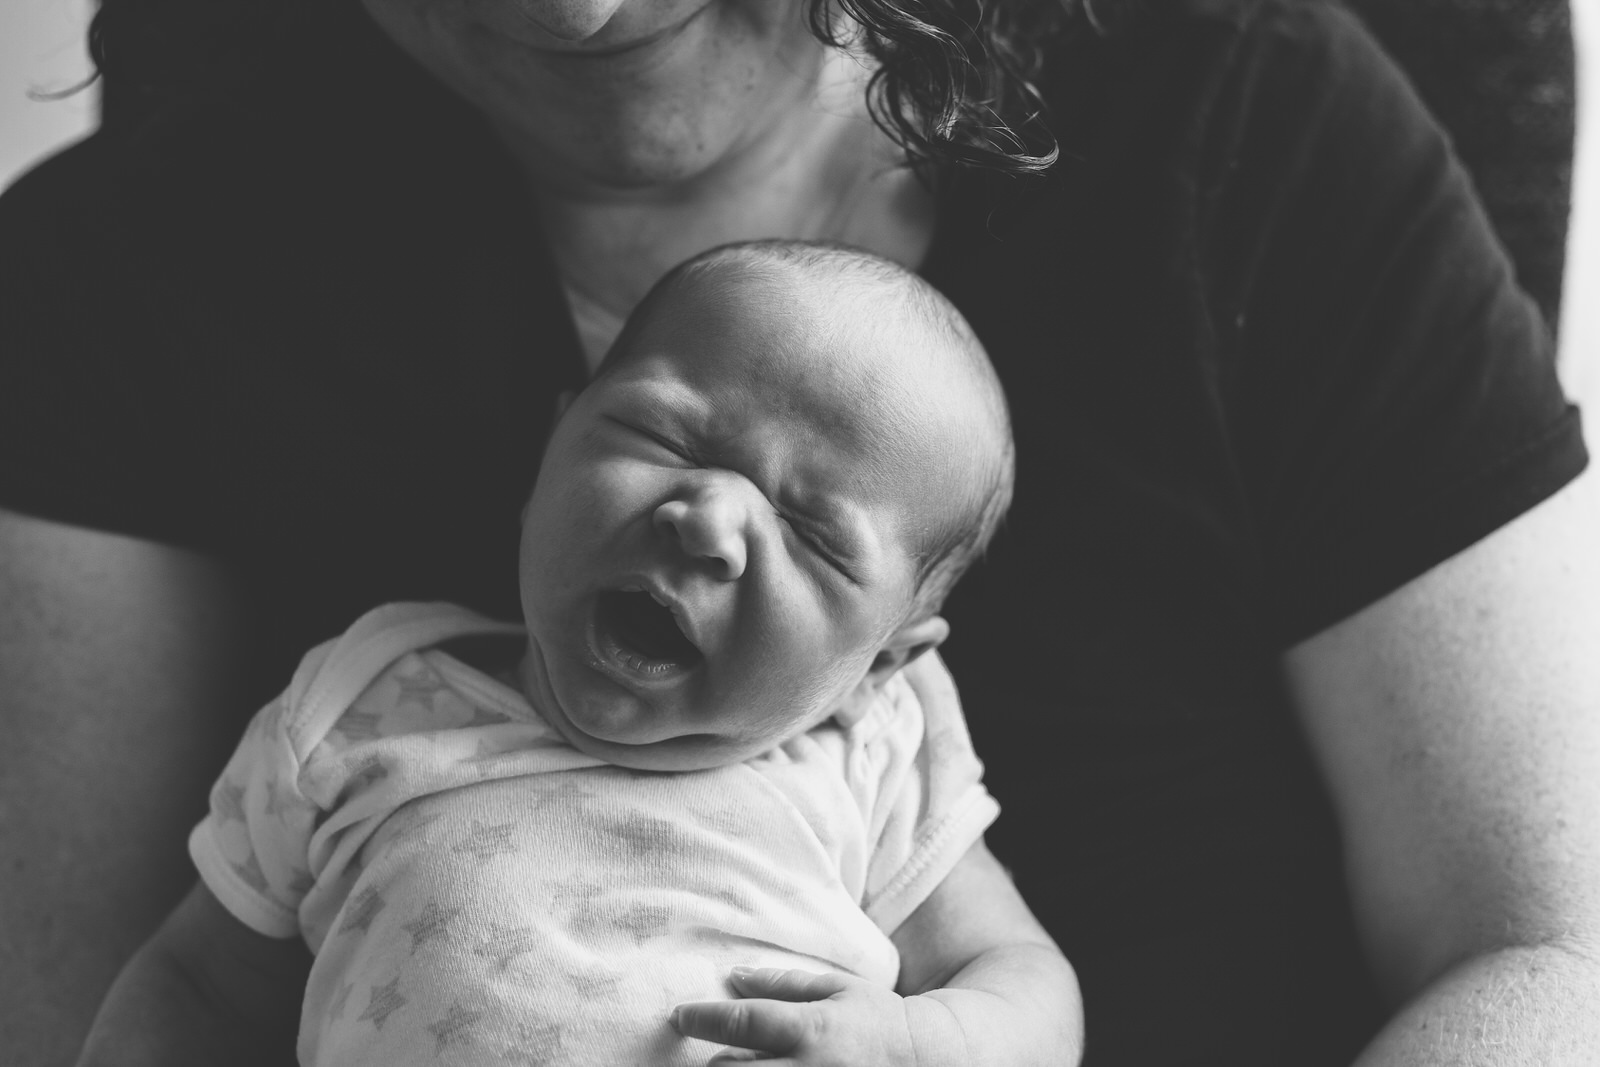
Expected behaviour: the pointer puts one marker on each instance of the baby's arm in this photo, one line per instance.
(204, 989)
(980, 983)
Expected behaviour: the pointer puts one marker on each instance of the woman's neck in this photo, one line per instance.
(820, 171)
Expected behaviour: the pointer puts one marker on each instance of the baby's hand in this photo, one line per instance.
(791, 1018)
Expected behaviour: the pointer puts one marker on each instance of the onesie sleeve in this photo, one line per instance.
(921, 788)
(252, 848)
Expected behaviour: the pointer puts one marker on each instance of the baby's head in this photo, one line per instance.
(749, 519)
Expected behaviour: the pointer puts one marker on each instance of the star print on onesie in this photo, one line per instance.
(433, 922)
(386, 1000)
(456, 1028)
(537, 1044)
(364, 908)
(476, 891)
(486, 842)
(507, 943)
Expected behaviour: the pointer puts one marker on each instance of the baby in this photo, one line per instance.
(701, 772)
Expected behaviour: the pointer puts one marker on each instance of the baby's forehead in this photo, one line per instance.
(836, 336)
(871, 378)
(845, 312)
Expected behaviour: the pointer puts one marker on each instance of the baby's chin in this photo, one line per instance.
(679, 753)
(619, 740)
(692, 752)
(624, 735)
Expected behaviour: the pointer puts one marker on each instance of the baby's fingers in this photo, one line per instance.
(778, 983)
(769, 1026)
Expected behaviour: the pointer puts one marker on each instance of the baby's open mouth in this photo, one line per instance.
(645, 632)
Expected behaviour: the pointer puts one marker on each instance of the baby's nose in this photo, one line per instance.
(710, 525)
(570, 20)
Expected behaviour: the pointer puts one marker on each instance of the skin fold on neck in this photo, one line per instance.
(821, 170)
(651, 130)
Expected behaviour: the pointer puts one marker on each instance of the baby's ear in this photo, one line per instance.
(904, 645)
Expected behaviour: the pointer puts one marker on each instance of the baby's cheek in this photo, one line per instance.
(584, 501)
(622, 485)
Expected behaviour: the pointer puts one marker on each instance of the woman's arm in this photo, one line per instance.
(116, 660)
(204, 990)
(981, 983)
(1457, 723)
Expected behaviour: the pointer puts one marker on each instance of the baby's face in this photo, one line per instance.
(723, 535)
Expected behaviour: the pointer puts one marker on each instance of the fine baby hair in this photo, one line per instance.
(883, 303)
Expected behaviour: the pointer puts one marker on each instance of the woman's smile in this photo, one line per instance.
(578, 40)
(585, 30)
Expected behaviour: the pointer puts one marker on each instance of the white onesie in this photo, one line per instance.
(477, 891)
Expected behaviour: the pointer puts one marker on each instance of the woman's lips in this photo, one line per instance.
(597, 46)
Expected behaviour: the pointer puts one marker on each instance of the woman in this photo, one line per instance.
(1279, 669)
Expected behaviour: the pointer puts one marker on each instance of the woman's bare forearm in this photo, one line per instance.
(159, 1015)
(1532, 1006)
(204, 990)
(120, 704)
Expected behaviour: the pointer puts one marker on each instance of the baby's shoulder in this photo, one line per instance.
(856, 748)
(388, 674)
(894, 715)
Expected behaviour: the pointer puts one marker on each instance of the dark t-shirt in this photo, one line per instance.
(1265, 359)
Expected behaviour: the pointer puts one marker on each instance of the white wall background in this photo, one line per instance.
(42, 51)
(1580, 297)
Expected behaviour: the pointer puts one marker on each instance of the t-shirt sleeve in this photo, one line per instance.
(252, 848)
(92, 427)
(1394, 391)
(921, 786)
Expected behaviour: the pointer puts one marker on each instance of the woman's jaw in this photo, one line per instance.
(607, 97)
